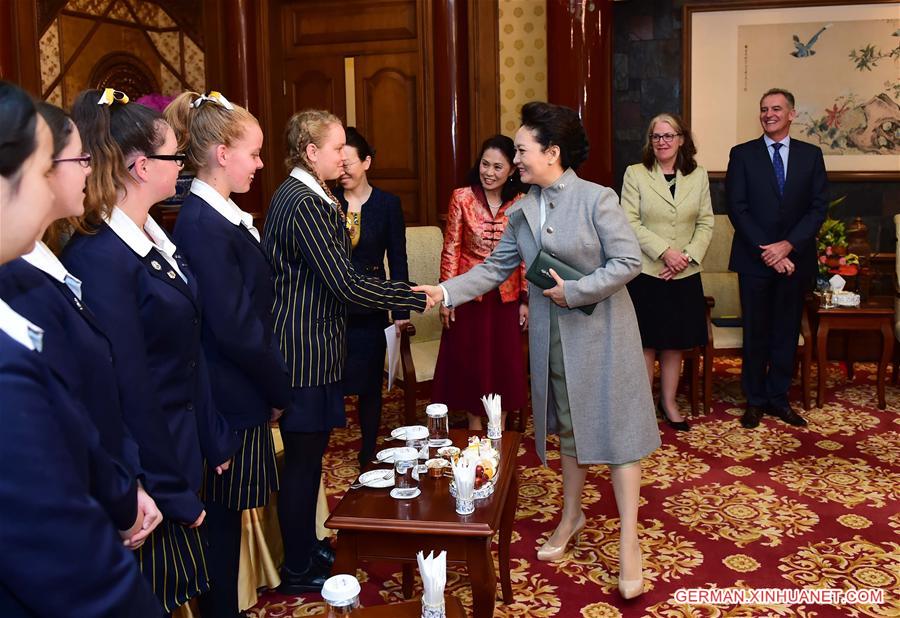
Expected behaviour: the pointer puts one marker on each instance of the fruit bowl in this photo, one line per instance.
(480, 493)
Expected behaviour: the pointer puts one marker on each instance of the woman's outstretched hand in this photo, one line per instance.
(433, 294)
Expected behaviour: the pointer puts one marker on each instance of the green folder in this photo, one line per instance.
(539, 274)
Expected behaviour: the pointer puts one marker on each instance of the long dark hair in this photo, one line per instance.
(514, 185)
(356, 140)
(110, 133)
(61, 127)
(18, 139)
(684, 160)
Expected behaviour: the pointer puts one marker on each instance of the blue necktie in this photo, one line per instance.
(778, 164)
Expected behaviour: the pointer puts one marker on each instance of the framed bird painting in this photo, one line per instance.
(841, 60)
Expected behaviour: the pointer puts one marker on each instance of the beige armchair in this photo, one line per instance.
(421, 339)
(720, 286)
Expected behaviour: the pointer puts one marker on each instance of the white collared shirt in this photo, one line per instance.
(225, 207)
(43, 259)
(131, 234)
(20, 329)
(783, 151)
(308, 179)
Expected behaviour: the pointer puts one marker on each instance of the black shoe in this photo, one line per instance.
(787, 414)
(323, 554)
(751, 417)
(311, 580)
(676, 425)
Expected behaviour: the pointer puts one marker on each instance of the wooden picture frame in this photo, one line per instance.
(735, 51)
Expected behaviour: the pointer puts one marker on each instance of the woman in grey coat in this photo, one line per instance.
(588, 380)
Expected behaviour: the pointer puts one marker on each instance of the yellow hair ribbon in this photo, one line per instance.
(111, 95)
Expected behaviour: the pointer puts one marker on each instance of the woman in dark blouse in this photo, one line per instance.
(375, 224)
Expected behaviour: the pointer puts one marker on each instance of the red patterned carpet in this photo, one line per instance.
(774, 507)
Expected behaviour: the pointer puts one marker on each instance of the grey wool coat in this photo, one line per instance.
(609, 394)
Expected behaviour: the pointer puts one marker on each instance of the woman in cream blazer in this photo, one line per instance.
(666, 200)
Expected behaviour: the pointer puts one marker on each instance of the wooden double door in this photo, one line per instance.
(364, 61)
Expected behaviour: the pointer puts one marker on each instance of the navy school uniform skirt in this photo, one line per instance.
(252, 476)
(173, 560)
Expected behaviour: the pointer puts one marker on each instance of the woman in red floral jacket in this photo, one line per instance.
(481, 346)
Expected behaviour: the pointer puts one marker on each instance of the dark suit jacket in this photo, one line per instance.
(381, 231)
(247, 370)
(153, 322)
(61, 554)
(309, 249)
(76, 348)
(761, 216)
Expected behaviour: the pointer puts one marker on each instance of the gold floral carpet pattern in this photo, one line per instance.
(721, 506)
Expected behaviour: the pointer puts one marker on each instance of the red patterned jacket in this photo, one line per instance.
(471, 235)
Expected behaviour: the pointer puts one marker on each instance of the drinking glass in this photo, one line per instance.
(438, 424)
(405, 460)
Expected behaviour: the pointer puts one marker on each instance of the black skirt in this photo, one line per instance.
(366, 347)
(252, 475)
(671, 314)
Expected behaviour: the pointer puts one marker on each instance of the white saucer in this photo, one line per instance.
(405, 494)
(440, 443)
(376, 480)
(400, 432)
(387, 455)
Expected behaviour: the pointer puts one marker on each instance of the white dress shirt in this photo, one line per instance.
(310, 181)
(44, 259)
(786, 145)
(134, 237)
(20, 329)
(225, 207)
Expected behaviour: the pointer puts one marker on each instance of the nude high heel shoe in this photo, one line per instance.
(552, 553)
(631, 588)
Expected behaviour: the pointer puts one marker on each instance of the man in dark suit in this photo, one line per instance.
(776, 194)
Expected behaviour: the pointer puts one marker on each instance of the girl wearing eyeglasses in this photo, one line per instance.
(145, 298)
(249, 378)
(40, 288)
(666, 199)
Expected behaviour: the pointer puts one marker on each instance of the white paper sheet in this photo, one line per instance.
(393, 354)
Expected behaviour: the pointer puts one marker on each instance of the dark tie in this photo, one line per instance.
(778, 164)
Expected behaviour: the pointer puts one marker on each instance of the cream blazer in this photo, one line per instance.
(660, 221)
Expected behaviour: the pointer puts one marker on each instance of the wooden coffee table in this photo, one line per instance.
(373, 526)
(878, 315)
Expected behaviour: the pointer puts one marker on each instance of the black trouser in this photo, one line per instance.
(299, 493)
(369, 423)
(223, 557)
(771, 308)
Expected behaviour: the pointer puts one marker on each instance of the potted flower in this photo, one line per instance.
(831, 245)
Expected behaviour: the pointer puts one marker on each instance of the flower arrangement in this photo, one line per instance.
(831, 245)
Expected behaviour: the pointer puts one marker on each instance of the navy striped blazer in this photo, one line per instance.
(247, 370)
(76, 348)
(154, 321)
(309, 249)
(61, 554)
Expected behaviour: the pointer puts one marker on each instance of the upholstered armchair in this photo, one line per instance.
(723, 312)
(421, 339)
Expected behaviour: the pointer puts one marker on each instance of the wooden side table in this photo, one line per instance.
(877, 315)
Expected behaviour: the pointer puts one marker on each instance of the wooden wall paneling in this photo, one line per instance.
(484, 72)
(428, 162)
(19, 38)
(387, 95)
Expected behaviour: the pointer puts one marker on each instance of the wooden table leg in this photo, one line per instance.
(409, 577)
(345, 559)
(822, 358)
(887, 349)
(482, 576)
(507, 521)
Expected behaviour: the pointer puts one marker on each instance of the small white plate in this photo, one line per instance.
(405, 494)
(400, 432)
(376, 480)
(440, 443)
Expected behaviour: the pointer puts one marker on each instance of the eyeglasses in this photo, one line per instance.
(84, 160)
(664, 137)
(348, 164)
(179, 159)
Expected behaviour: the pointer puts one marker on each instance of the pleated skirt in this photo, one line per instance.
(173, 560)
(252, 476)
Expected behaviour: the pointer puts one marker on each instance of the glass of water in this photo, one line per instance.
(405, 461)
(438, 425)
